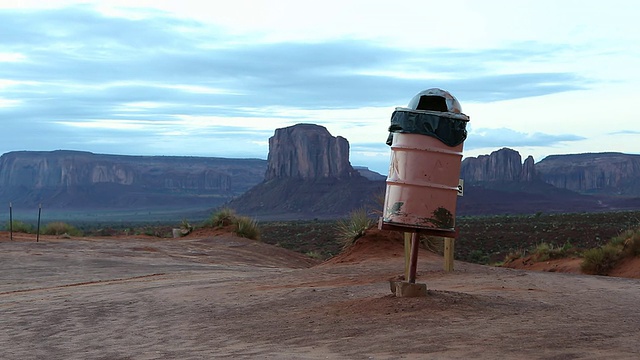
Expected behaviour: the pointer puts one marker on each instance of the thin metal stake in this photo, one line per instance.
(10, 221)
(38, 231)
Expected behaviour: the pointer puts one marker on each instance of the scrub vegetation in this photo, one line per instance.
(60, 228)
(602, 240)
(601, 260)
(243, 226)
(354, 227)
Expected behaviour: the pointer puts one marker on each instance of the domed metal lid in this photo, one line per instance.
(435, 99)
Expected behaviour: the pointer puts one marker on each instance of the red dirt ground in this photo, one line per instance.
(214, 295)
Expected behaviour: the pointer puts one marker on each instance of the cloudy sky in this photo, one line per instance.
(216, 78)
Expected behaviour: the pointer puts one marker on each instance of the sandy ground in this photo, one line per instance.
(217, 296)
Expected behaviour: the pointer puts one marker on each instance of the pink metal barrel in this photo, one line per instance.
(422, 185)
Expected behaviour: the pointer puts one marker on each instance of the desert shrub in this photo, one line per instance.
(20, 227)
(545, 251)
(247, 228)
(600, 260)
(160, 231)
(351, 229)
(185, 227)
(514, 255)
(59, 228)
(222, 217)
(629, 241)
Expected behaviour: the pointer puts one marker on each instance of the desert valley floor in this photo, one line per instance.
(214, 295)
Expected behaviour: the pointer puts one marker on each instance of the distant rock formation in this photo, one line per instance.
(504, 165)
(37, 176)
(590, 173)
(308, 151)
(595, 173)
(528, 170)
(308, 176)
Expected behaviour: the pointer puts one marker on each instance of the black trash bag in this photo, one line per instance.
(449, 130)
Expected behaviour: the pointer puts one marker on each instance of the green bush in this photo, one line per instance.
(353, 228)
(600, 261)
(247, 228)
(59, 228)
(20, 227)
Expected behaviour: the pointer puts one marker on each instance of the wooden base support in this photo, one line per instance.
(448, 253)
(405, 289)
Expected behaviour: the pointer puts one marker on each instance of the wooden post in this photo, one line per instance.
(448, 253)
(407, 254)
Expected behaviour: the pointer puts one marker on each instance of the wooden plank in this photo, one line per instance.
(448, 253)
(420, 229)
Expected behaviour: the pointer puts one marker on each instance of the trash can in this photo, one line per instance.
(426, 140)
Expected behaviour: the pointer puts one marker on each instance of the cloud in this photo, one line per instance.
(625, 132)
(159, 78)
(497, 138)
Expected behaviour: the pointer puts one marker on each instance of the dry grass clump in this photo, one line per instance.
(630, 240)
(244, 226)
(351, 229)
(545, 251)
(514, 255)
(247, 228)
(600, 261)
(223, 217)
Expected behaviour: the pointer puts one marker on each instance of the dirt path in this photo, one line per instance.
(224, 297)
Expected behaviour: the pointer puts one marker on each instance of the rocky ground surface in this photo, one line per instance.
(214, 295)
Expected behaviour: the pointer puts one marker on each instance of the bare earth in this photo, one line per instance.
(213, 295)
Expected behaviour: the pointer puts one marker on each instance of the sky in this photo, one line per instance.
(216, 78)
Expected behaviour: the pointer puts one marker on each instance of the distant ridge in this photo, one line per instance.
(309, 177)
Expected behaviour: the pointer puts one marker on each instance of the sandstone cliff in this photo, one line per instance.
(596, 173)
(308, 151)
(32, 176)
